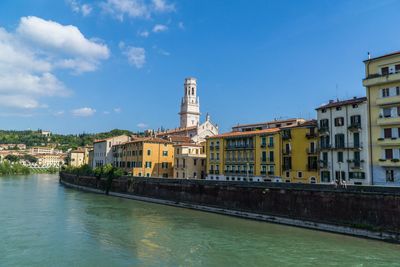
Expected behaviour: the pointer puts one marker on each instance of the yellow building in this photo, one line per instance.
(382, 82)
(245, 156)
(149, 156)
(79, 157)
(299, 153)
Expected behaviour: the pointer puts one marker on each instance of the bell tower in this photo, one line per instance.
(190, 104)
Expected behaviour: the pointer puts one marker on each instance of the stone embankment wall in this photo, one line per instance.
(364, 211)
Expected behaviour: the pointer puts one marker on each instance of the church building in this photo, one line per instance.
(190, 125)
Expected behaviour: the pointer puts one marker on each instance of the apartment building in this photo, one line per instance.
(148, 156)
(50, 160)
(190, 161)
(382, 83)
(102, 153)
(245, 156)
(300, 153)
(266, 125)
(343, 135)
(78, 157)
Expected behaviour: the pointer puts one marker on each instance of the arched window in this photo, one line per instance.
(192, 90)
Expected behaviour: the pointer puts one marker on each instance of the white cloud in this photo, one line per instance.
(135, 8)
(136, 55)
(163, 6)
(30, 55)
(144, 34)
(160, 28)
(83, 112)
(181, 25)
(59, 113)
(84, 9)
(117, 110)
(142, 125)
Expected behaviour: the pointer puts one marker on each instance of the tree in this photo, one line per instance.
(30, 158)
(12, 158)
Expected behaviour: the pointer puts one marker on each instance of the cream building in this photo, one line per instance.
(102, 153)
(78, 157)
(382, 82)
(190, 161)
(50, 160)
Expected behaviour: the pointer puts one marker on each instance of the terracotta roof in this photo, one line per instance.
(105, 139)
(267, 122)
(146, 139)
(385, 55)
(179, 139)
(355, 100)
(178, 130)
(234, 134)
(188, 144)
(304, 124)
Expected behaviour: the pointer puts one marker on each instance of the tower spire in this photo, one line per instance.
(190, 106)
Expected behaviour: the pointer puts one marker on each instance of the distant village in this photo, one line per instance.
(352, 141)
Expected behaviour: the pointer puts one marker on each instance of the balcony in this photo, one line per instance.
(388, 121)
(325, 147)
(311, 135)
(286, 152)
(211, 171)
(211, 147)
(323, 130)
(324, 165)
(377, 79)
(388, 100)
(286, 137)
(356, 146)
(311, 151)
(240, 146)
(312, 167)
(354, 127)
(394, 141)
(356, 164)
(393, 163)
(263, 145)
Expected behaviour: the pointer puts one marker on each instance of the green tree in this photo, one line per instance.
(12, 158)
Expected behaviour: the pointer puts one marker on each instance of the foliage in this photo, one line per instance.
(62, 142)
(12, 158)
(6, 168)
(30, 158)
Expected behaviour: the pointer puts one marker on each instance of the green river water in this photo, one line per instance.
(45, 224)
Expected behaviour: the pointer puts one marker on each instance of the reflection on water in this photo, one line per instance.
(45, 224)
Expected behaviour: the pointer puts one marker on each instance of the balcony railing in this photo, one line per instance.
(240, 146)
(311, 135)
(271, 145)
(311, 151)
(286, 151)
(356, 164)
(354, 127)
(211, 171)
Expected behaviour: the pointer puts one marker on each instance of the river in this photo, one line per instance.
(45, 224)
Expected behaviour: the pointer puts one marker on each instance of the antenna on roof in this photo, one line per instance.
(369, 55)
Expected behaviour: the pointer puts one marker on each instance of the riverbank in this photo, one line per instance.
(6, 168)
(358, 211)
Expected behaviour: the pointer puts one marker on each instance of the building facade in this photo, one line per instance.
(78, 157)
(245, 156)
(343, 135)
(149, 157)
(102, 153)
(266, 125)
(190, 161)
(300, 153)
(382, 82)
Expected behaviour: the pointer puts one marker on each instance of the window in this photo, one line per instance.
(325, 176)
(388, 153)
(338, 108)
(194, 162)
(148, 164)
(397, 90)
(385, 70)
(287, 174)
(355, 120)
(299, 175)
(339, 140)
(385, 92)
(148, 174)
(323, 110)
(387, 112)
(148, 152)
(389, 176)
(340, 176)
(271, 156)
(271, 141)
(164, 165)
(356, 175)
(339, 121)
(217, 156)
(397, 67)
(264, 156)
(340, 156)
(165, 153)
(177, 151)
(324, 123)
(355, 106)
(263, 141)
(387, 133)
(202, 162)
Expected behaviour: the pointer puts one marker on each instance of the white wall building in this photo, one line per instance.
(102, 153)
(344, 150)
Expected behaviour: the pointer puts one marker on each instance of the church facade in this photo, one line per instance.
(190, 124)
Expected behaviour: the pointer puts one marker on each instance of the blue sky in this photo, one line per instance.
(122, 63)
